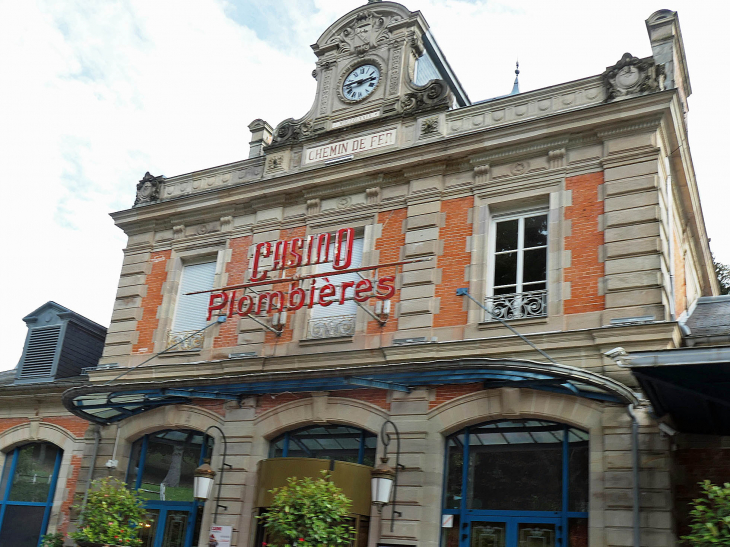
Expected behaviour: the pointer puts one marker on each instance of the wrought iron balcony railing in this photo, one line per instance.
(194, 342)
(332, 327)
(516, 306)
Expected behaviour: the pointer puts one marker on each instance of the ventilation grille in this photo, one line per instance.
(38, 360)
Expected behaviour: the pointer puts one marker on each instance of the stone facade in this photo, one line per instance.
(597, 155)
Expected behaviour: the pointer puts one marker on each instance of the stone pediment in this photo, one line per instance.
(362, 29)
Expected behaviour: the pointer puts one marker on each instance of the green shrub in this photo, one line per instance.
(113, 515)
(52, 540)
(710, 516)
(309, 512)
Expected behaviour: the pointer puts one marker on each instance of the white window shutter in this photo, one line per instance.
(350, 306)
(192, 310)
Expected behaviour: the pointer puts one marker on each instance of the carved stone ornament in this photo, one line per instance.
(633, 76)
(430, 125)
(291, 130)
(366, 30)
(434, 95)
(148, 189)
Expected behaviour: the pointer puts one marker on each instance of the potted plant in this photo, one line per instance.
(710, 516)
(308, 512)
(113, 515)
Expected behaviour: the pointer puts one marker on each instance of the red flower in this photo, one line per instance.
(301, 539)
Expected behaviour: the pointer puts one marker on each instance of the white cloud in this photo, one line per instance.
(96, 93)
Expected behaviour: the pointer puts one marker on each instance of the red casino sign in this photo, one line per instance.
(289, 292)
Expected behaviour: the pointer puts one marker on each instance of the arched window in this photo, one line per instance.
(519, 482)
(332, 442)
(27, 488)
(161, 468)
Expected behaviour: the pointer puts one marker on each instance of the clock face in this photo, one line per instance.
(360, 82)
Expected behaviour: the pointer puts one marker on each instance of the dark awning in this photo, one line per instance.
(108, 403)
(696, 397)
(689, 387)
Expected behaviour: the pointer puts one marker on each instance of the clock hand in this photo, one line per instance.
(359, 82)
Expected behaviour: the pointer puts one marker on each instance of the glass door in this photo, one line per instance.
(518, 483)
(167, 528)
(512, 532)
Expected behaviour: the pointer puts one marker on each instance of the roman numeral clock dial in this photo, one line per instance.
(360, 82)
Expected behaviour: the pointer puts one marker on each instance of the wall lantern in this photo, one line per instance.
(205, 476)
(203, 484)
(384, 479)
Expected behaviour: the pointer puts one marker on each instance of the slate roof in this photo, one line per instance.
(710, 317)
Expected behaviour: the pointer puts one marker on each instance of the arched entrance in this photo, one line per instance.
(27, 488)
(513, 483)
(161, 469)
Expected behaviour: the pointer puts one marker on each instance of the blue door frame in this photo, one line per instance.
(164, 506)
(4, 503)
(512, 519)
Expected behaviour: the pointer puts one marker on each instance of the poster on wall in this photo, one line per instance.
(220, 536)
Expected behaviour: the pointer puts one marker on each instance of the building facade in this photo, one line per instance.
(400, 256)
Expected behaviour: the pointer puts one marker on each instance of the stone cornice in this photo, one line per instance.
(563, 342)
(392, 162)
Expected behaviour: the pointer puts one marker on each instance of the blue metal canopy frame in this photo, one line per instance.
(109, 403)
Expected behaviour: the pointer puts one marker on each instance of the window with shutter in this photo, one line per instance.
(192, 309)
(337, 319)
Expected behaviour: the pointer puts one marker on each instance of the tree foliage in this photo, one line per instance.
(309, 512)
(710, 516)
(113, 515)
(723, 275)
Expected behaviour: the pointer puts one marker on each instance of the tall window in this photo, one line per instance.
(27, 488)
(333, 442)
(519, 482)
(192, 309)
(161, 468)
(337, 319)
(519, 281)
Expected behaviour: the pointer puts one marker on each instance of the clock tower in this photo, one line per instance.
(377, 62)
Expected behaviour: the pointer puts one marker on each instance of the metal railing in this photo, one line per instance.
(516, 306)
(332, 327)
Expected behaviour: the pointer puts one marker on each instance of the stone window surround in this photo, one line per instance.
(171, 288)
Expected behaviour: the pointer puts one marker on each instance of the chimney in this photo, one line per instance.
(261, 134)
(668, 50)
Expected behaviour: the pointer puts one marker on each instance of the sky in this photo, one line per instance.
(94, 94)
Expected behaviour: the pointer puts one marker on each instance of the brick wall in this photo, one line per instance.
(287, 334)
(236, 270)
(584, 242)
(389, 245)
(71, 483)
(147, 325)
(74, 424)
(448, 392)
(378, 397)
(453, 262)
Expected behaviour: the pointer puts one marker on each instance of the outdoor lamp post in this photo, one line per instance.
(205, 476)
(384, 478)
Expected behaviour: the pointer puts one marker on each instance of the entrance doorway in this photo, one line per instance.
(161, 469)
(519, 483)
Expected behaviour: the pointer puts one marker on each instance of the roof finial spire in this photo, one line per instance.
(516, 86)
